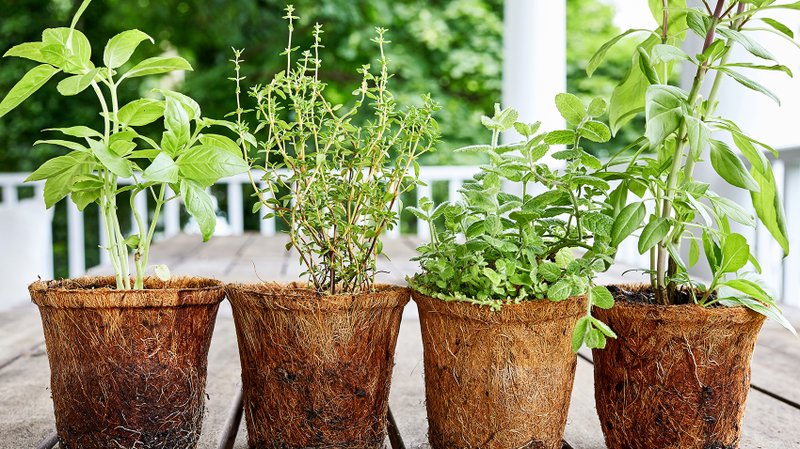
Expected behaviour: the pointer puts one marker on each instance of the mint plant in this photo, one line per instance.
(333, 173)
(493, 248)
(184, 159)
(681, 130)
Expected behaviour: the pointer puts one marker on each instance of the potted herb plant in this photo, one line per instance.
(679, 373)
(503, 301)
(317, 356)
(127, 352)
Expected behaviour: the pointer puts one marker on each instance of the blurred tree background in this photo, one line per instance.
(450, 48)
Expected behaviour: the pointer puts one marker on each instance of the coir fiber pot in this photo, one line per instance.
(498, 379)
(128, 367)
(316, 369)
(677, 376)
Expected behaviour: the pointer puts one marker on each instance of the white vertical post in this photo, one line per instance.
(452, 189)
(172, 215)
(38, 190)
(75, 250)
(10, 194)
(791, 265)
(235, 207)
(425, 191)
(534, 31)
(265, 227)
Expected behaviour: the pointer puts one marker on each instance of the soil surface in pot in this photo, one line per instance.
(128, 368)
(677, 376)
(316, 370)
(498, 379)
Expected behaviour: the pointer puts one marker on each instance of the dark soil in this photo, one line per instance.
(647, 296)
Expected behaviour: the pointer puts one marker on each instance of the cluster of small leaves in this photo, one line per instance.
(681, 130)
(185, 160)
(334, 180)
(493, 247)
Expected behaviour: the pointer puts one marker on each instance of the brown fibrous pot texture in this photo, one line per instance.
(677, 376)
(316, 370)
(498, 379)
(128, 367)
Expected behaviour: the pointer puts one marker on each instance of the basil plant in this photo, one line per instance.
(545, 243)
(672, 208)
(179, 165)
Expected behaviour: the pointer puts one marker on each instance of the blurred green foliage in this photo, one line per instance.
(450, 48)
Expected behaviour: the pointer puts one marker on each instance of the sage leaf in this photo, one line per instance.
(628, 220)
(200, 206)
(664, 112)
(653, 233)
(728, 165)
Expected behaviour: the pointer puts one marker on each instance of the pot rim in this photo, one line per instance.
(678, 312)
(97, 292)
(299, 297)
(539, 310)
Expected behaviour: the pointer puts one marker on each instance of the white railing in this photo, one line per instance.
(235, 189)
(782, 274)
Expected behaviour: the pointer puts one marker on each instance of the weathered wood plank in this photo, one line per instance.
(20, 333)
(407, 396)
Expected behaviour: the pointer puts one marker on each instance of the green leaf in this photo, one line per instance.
(67, 48)
(768, 311)
(664, 112)
(628, 98)
(206, 164)
(61, 173)
(595, 131)
(647, 67)
(749, 65)
(560, 137)
(750, 289)
(597, 223)
(769, 207)
(601, 297)
(140, 112)
(603, 327)
(30, 83)
(158, 65)
(120, 47)
(200, 206)
(27, 50)
(750, 84)
(698, 134)
(779, 26)
(571, 108)
(162, 272)
(694, 252)
(735, 253)
(712, 251)
(628, 220)
(76, 84)
(221, 142)
(162, 169)
(549, 271)
(745, 41)
(77, 131)
(579, 333)
(600, 55)
(728, 165)
(74, 146)
(559, 291)
(191, 106)
(664, 53)
(597, 107)
(176, 123)
(653, 233)
(113, 162)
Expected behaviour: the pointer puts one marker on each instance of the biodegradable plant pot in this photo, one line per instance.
(128, 367)
(498, 380)
(676, 377)
(316, 369)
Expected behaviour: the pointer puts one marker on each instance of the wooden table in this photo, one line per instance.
(772, 419)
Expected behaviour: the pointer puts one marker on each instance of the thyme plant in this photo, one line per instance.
(493, 247)
(334, 173)
(683, 129)
(184, 159)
